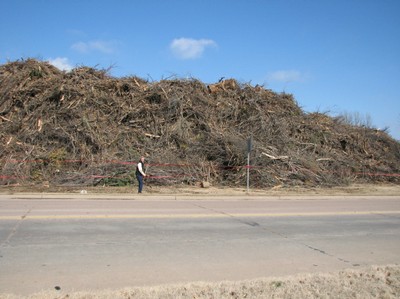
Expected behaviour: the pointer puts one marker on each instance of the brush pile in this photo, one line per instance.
(85, 127)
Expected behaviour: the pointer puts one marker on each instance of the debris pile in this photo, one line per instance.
(85, 127)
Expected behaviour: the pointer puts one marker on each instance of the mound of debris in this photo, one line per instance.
(85, 127)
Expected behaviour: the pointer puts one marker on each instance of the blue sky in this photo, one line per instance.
(337, 56)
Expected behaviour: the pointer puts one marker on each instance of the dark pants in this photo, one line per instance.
(140, 181)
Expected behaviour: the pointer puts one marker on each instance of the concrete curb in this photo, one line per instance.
(166, 197)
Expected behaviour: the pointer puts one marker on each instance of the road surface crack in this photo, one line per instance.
(256, 224)
(14, 229)
(238, 219)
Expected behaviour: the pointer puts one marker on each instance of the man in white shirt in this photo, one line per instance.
(140, 173)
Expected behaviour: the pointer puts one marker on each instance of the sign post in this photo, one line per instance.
(249, 148)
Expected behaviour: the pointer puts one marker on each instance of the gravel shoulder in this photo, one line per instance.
(181, 191)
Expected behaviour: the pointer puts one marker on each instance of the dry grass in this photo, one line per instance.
(373, 282)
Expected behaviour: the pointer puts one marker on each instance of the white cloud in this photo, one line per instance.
(61, 63)
(287, 76)
(188, 48)
(101, 46)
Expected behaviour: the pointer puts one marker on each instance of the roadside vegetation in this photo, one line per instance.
(373, 282)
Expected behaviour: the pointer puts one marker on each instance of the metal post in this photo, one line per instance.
(248, 172)
(249, 148)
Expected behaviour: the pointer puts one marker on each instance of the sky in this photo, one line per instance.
(340, 57)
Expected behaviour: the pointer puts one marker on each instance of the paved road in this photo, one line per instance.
(78, 243)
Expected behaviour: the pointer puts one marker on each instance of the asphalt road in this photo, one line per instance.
(79, 243)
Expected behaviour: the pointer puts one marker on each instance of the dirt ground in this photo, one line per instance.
(368, 189)
(351, 190)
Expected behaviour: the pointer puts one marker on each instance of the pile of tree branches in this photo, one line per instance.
(85, 127)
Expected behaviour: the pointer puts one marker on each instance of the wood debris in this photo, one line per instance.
(92, 128)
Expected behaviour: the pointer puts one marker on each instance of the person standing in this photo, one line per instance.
(140, 173)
